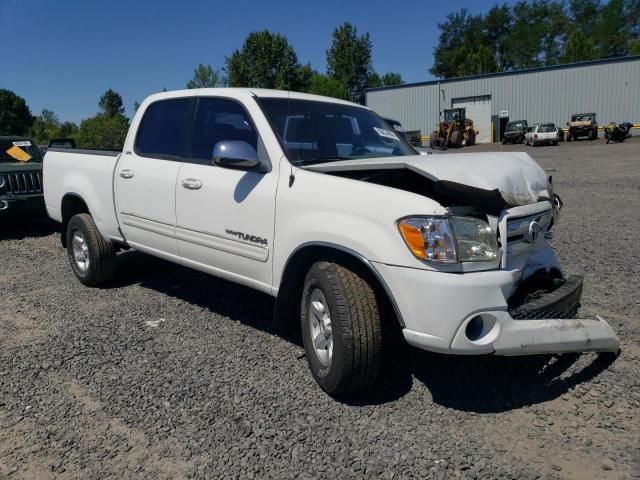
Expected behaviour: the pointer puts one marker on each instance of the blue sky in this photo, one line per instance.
(63, 54)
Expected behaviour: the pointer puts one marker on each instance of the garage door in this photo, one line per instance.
(478, 110)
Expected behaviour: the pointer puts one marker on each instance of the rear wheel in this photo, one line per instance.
(341, 329)
(92, 258)
(593, 134)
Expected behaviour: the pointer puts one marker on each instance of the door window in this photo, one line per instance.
(217, 120)
(164, 129)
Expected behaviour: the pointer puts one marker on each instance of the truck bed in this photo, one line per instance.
(87, 174)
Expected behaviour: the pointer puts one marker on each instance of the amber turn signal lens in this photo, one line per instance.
(415, 240)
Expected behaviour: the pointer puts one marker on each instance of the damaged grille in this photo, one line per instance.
(519, 239)
(545, 296)
(23, 183)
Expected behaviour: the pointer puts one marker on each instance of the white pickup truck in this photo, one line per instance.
(319, 203)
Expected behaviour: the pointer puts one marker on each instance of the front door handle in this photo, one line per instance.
(191, 183)
(126, 173)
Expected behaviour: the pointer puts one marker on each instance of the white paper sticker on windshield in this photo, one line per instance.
(385, 133)
(22, 143)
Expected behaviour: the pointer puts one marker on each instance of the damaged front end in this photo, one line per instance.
(521, 303)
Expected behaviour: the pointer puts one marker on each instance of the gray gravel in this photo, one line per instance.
(169, 373)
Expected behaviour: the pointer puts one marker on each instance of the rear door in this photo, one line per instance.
(225, 217)
(146, 177)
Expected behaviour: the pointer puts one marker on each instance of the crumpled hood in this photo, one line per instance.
(517, 176)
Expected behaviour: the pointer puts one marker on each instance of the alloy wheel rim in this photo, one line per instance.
(319, 321)
(80, 251)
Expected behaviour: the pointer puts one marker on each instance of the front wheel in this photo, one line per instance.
(92, 258)
(341, 329)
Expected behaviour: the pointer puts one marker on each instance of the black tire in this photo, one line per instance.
(356, 329)
(433, 139)
(593, 134)
(101, 255)
(471, 138)
(504, 141)
(569, 137)
(456, 139)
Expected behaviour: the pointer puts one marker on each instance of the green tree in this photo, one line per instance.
(15, 116)
(349, 60)
(111, 103)
(578, 48)
(266, 60)
(634, 47)
(328, 86)
(206, 77)
(47, 125)
(497, 24)
(103, 131)
(462, 48)
(392, 78)
(613, 30)
(584, 15)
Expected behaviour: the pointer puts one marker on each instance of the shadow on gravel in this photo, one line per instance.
(480, 384)
(20, 229)
(496, 384)
(228, 299)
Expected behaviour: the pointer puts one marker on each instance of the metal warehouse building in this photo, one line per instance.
(610, 88)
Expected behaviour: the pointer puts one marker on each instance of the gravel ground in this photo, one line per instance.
(169, 373)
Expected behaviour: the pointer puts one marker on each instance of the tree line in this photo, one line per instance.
(265, 60)
(535, 34)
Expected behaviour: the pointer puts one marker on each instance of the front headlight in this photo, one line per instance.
(449, 239)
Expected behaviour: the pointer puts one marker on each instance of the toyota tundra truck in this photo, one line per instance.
(319, 203)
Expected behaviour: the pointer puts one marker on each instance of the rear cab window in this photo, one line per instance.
(165, 129)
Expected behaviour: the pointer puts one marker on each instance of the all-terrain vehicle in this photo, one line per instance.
(515, 132)
(582, 125)
(453, 131)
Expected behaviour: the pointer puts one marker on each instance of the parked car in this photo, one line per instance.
(543, 133)
(515, 132)
(20, 178)
(582, 125)
(338, 218)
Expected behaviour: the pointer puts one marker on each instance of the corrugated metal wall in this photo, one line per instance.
(611, 89)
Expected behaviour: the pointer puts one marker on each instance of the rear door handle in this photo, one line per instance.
(126, 173)
(191, 183)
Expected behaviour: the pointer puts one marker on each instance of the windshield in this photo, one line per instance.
(547, 128)
(314, 132)
(511, 126)
(585, 117)
(17, 150)
(452, 115)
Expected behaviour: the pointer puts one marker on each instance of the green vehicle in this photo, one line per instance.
(21, 193)
(515, 132)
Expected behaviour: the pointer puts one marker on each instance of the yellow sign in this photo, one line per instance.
(19, 154)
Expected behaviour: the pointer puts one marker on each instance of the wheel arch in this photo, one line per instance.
(71, 204)
(296, 268)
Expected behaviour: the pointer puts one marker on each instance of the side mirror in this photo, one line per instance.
(235, 154)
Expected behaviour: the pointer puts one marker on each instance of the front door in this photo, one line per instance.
(225, 217)
(146, 178)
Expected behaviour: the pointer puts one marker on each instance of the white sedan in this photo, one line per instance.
(542, 133)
